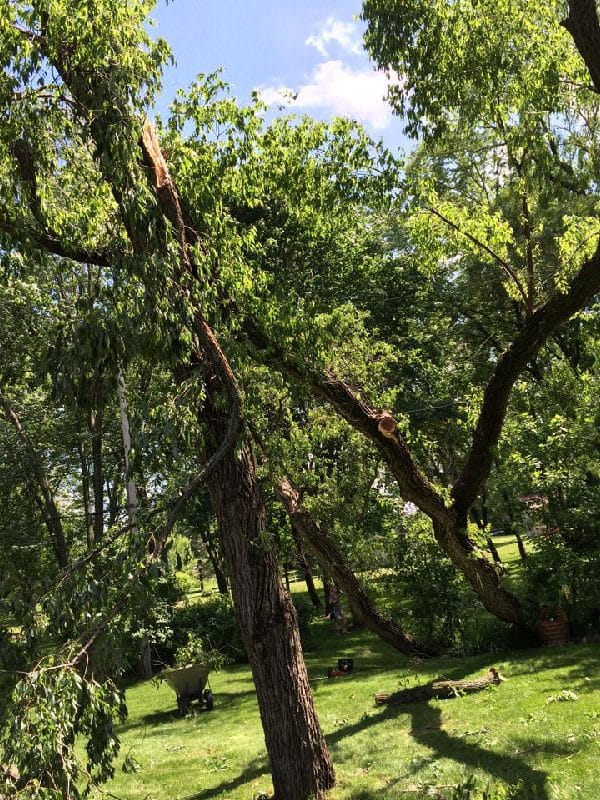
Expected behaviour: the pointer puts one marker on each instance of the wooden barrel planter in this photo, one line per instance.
(553, 626)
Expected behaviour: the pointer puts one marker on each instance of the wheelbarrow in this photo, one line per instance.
(189, 684)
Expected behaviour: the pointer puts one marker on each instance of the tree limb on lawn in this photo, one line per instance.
(439, 690)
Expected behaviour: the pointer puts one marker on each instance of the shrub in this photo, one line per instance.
(196, 651)
(185, 582)
(213, 620)
(435, 600)
(556, 574)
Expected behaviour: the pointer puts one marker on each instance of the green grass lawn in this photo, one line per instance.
(524, 734)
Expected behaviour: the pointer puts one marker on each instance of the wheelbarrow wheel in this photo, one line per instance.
(208, 699)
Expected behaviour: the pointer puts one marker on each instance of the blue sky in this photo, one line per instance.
(311, 48)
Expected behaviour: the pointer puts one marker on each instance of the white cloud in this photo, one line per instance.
(344, 33)
(275, 95)
(341, 90)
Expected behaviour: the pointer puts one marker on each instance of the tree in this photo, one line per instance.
(134, 218)
(482, 79)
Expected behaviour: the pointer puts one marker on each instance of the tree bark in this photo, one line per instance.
(300, 762)
(331, 559)
(582, 23)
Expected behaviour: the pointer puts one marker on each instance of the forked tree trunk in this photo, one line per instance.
(300, 762)
(480, 573)
(331, 559)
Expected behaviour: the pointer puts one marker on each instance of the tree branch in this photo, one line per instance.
(506, 267)
(331, 560)
(170, 205)
(48, 505)
(530, 339)
(51, 243)
(528, 234)
(378, 426)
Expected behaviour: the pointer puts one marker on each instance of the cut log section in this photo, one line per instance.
(439, 690)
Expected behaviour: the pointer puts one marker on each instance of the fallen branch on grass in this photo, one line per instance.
(439, 690)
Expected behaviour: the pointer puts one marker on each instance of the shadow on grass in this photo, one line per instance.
(257, 768)
(167, 716)
(426, 729)
(530, 784)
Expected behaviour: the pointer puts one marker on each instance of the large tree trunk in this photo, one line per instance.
(582, 23)
(300, 762)
(331, 559)
(299, 758)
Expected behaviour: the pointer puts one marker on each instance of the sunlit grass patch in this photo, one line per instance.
(514, 739)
